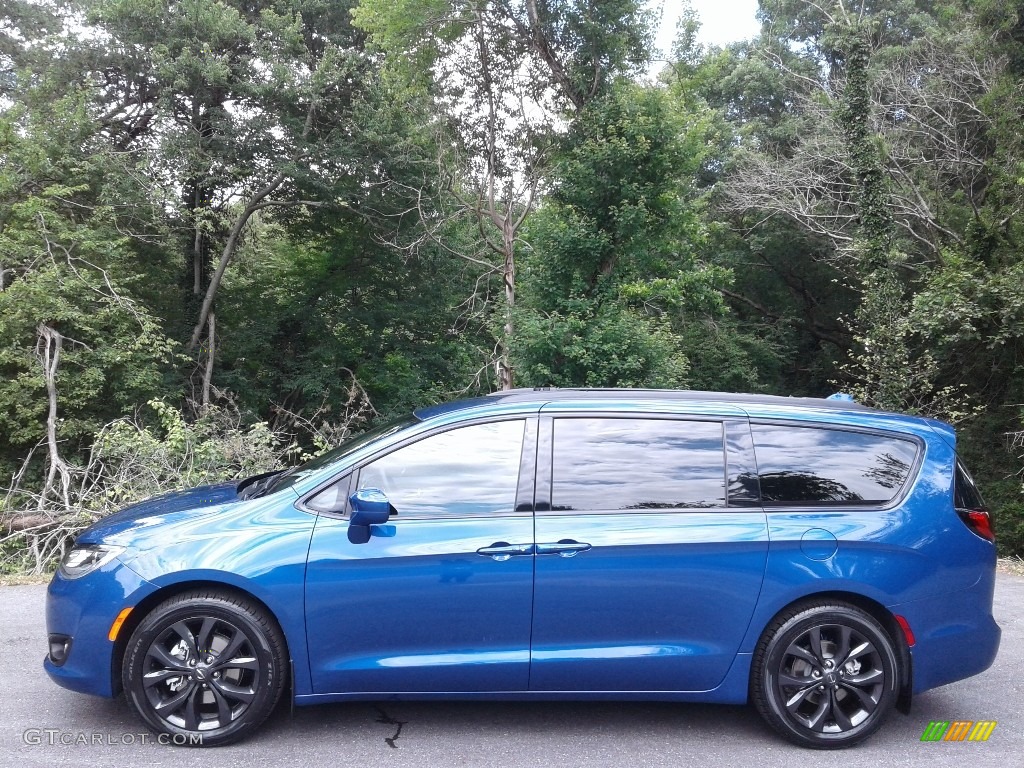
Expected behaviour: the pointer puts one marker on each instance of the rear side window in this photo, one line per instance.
(817, 465)
(965, 493)
(617, 464)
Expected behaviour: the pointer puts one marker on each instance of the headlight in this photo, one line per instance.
(86, 558)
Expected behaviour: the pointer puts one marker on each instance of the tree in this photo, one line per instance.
(241, 107)
(891, 131)
(24, 29)
(71, 326)
(501, 75)
(876, 177)
(614, 274)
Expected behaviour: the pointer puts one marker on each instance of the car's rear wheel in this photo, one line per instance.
(204, 668)
(825, 675)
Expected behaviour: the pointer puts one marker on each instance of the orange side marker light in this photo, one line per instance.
(116, 626)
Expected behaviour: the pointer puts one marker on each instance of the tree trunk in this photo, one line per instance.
(506, 379)
(256, 202)
(48, 348)
(210, 346)
(229, 251)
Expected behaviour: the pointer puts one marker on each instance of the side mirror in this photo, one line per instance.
(369, 507)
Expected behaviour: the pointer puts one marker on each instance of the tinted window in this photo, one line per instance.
(469, 470)
(804, 465)
(332, 498)
(606, 464)
(351, 445)
(965, 493)
(739, 451)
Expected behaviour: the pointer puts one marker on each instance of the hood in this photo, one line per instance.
(176, 505)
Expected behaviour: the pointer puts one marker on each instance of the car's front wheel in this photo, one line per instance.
(825, 675)
(205, 668)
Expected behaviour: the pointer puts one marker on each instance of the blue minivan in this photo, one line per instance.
(820, 559)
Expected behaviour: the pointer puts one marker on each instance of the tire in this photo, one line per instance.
(206, 668)
(825, 675)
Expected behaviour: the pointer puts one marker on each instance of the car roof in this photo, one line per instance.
(543, 395)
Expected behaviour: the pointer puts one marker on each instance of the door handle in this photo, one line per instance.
(563, 548)
(502, 550)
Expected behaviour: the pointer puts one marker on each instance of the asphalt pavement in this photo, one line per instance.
(44, 725)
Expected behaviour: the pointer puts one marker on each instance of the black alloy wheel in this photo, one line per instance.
(204, 668)
(825, 675)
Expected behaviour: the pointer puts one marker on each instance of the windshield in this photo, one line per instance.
(295, 474)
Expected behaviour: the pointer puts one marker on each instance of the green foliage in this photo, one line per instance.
(413, 31)
(614, 289)
(1006, 500)
(612, 347)
(619, 206)
(67, 263)
(874, 245)
(112, 358)
(132, 460)
(139, 461)
(24, 24)
(891, 371)
(886, 140)
(602, 41)
(339, 306)
(595, 42)
(886, 22)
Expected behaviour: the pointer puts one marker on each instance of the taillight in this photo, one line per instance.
(907, 631)
(969, 505)
(979, 521)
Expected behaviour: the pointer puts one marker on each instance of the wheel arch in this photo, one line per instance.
(879, 613)
(145, 606)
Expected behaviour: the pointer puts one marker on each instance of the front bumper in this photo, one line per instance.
(82, 611)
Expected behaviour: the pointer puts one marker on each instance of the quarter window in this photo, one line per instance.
(470, 470)
(814, 465)
(965, 493)
(614, 464)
